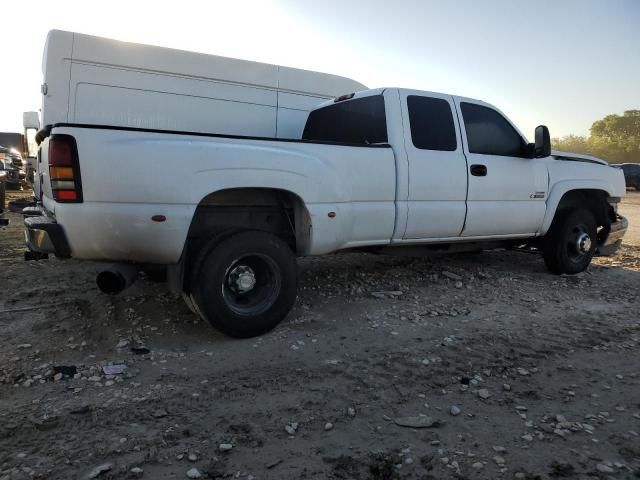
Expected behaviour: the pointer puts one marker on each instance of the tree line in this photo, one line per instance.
(615, 138)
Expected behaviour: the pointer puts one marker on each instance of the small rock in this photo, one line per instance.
(351, 412)
(522, 371)
(458, 285)
(478, 465)
(136, 472)
(506, 387)
(527, 438)
(192, 457)
(122, 344)
(225, 447)
(451, 275)
(194, 473)
(546, 428)
(114, 369)
(483, 393)
(328, 426)
(23, 346)
(387, 293)
(499, 459)
(57, 377)
(291, 428)
(99, 470)
(455, 410)
(602, 468)
(499, 449)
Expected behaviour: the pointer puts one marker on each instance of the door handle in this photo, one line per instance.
(478, 170)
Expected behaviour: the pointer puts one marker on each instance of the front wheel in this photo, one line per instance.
(245, 284)
(570, 243)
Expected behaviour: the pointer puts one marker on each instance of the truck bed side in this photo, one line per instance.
(128, 176)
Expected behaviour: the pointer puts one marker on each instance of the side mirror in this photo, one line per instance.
(30, 120)
(542, 146)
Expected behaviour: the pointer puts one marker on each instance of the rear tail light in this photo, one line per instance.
(64, 169)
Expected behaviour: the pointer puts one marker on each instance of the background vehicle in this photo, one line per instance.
(93, 80)
(631, 174)
(14, 167)
(374, 170)
(13, 141)
(3, 188)
(24, 146)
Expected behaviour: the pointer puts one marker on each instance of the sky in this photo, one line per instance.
(562, 63)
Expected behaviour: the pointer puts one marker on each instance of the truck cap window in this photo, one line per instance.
(488, 132)
(431, 123)
(361, 120)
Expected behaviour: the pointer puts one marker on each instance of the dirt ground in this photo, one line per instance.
(507, 370)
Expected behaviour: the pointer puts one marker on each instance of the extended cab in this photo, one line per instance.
(374, 170)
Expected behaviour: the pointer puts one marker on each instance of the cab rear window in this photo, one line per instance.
(359, 121)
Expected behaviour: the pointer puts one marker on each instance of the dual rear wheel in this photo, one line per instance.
(244, 284)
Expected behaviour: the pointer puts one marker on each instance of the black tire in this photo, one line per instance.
(245, 284)
(570, 243)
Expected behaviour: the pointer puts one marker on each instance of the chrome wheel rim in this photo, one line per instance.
(579, 243)
(251, 284)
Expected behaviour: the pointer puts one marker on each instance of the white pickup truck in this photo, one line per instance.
(374, 170)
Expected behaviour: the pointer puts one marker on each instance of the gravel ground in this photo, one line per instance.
(465, 366)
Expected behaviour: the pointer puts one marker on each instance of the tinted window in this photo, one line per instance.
(489, 133)
(361, 120)
(431, 123)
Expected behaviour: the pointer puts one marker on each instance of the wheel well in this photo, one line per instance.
(276, 211)
(593, 200)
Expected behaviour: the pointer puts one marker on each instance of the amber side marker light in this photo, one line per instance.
(331, 214)
(64, 169)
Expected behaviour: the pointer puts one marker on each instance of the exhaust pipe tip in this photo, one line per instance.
(116, 278)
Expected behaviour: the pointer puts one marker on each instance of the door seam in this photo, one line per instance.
(466, 161)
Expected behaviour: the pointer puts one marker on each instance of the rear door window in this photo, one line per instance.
(489, 133)
(431, 123)
(359, 121)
